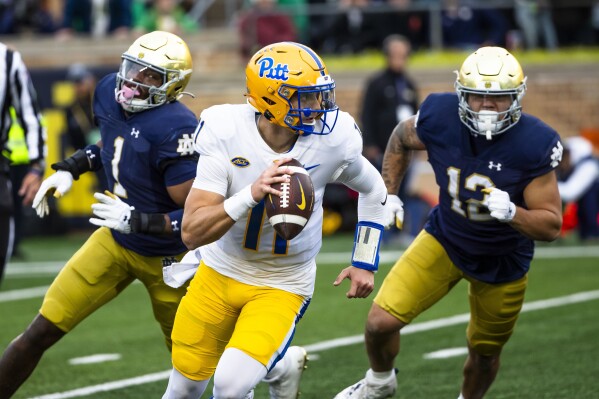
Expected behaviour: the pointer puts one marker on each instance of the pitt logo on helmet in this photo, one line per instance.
(279, 72)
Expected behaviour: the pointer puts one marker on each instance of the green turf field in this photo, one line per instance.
(553, 353)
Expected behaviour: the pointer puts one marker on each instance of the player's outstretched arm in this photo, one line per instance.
(373, 216)
(67, 170)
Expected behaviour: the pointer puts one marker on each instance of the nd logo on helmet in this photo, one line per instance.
(278, 72)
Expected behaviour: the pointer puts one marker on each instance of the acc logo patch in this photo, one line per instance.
(240, 162)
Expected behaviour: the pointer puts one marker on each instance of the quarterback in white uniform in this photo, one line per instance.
(252, 287)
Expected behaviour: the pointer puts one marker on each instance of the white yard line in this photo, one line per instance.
(335, 343)
(97, 358)
(540, 253)
(17, 269)
(26, 269)
(29, 293)
(108, 386)
(24, 293)
(446, 353)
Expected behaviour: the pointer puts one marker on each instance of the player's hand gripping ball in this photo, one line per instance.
(289, 213)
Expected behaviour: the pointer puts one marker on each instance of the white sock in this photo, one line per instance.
(380, 377)
(180, 386)
(461, 396)
(276, 372)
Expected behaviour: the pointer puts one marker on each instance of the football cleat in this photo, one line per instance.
(366, 389)
(287, 386)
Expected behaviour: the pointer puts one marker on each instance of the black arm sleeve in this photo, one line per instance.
(81, 161)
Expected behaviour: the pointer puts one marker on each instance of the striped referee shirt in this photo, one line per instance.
(16, 90)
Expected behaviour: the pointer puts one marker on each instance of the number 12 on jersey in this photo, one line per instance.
(474, 210)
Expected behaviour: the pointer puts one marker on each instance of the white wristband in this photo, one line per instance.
(367, 242)
(240, 203)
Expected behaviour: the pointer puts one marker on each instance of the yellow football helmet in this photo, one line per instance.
(289, 84)
(490, 71)
(154, 70)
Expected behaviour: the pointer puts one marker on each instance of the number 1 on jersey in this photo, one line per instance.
(118, 188)
(253, 230)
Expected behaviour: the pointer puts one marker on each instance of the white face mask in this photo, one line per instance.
(486, 123)
(490, 123)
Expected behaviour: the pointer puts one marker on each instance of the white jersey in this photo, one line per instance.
(232, 156)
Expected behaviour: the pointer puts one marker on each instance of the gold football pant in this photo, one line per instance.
(425, 274)
(99, 271)
(219, 312)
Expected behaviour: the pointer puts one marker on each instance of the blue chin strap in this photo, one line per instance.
(322, 126)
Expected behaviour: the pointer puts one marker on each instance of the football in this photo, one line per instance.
(289, 213)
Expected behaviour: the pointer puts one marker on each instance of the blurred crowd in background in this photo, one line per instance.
(328, 26)
(395, 27)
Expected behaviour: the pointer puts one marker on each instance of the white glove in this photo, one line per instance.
(499, 204)
(114, 213)
(58, 185)
(393, 212)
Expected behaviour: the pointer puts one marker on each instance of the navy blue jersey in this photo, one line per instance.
(464, 164)
(143, 154)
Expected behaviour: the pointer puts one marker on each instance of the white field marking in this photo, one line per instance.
(540, 253)
(98, 358)
(26, 269)
(312, 357)
(457, 319)
(334, 343)
(24, 293)
(446, 353)
(17, 269)
(29, 293)
(109, 386)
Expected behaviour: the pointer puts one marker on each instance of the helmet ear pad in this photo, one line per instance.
(268, 115)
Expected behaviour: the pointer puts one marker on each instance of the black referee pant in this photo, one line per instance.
(7, 228)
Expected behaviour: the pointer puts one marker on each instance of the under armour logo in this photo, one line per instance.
(175, 225)
(168, 261)
(90, 154)
(135, 132)
(495, 165)
(185, 145)
(556, 155)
